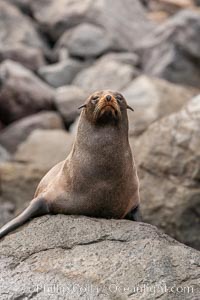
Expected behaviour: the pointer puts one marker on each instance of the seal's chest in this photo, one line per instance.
(107, 199)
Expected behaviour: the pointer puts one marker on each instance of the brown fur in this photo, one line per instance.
(99, 177)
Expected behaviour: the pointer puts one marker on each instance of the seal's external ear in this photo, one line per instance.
(82, 106)
(128, 107)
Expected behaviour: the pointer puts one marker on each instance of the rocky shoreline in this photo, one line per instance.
(53, 54)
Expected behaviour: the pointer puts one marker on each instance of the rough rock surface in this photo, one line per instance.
(40, 152)
(169, 167)
(152, 99)
(175, 46)
(21, 92)
(53, 54)
(13, 36)
(18, 131)
(61, 73)
(66, 257)
(86, 40)
(120, 19)
(105, 74)
(67, 100)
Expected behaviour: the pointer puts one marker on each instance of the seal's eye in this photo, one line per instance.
(119, 98)
(95, 99)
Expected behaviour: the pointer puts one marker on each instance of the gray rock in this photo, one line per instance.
(86, 40)
(169, 6)
(67, 101)
(62, 54)
(4, 155)
(21, 92)
(18, 131)
(74, 127)
(169, 167)
(18, 182)
(119, 19)
(128, 58)
(66, 257)
(176, 47)
(39, 153)
(105, 74)
(23, 5)
(152, 99)
(6, 212)
(29, 57)
(18, 30)
(50, 147)
(61, 73)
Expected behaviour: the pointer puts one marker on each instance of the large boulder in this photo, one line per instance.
(152, 99)
(67, 100)
(86, 40)
(61, 73)
(21, 92)
(50, 147)
(18, 182)
(18, 131)
(29, 57)
(168, 158)
(18, 31)
(105, 74)
(172, 51)
(125, 21)
(66, 257)
(39, 153)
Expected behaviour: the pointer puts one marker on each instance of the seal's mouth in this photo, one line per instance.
(107, 110)
(108, 107)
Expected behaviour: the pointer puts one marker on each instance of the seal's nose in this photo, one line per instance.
(108, 98)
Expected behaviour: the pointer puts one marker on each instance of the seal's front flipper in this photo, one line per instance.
(36, 208)
(134, 215)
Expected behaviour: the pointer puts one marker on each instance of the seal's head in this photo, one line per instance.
(105, 107)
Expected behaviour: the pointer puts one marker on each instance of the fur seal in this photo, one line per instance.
(99, 176)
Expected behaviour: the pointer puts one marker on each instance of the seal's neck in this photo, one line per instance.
(103, 133)
(100, 150)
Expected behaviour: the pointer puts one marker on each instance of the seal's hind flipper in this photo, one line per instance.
(134, 215)
(36, 208)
